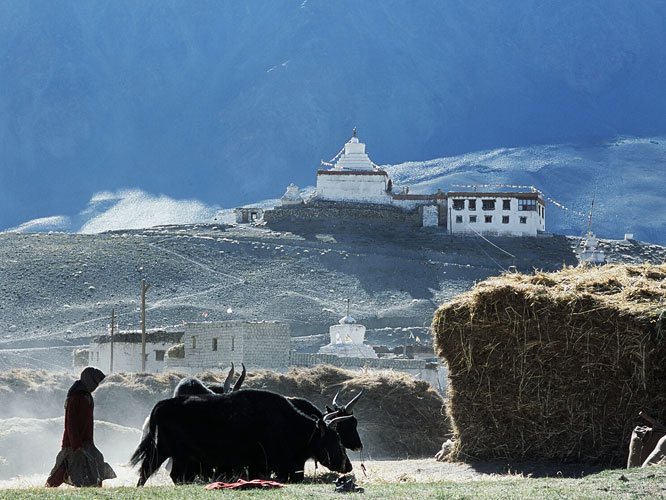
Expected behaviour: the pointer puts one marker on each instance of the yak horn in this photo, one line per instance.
(332, 424)
(239, 382)
(227, 381)
(335, 401)
(349, 407)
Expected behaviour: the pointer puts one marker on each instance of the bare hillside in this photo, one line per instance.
(57, 288)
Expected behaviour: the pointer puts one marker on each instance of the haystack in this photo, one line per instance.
(555, 365)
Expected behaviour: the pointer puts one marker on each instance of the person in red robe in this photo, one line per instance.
(79, 462)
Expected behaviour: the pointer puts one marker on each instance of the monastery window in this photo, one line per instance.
(472, 218)
(214, 344)
(471, 204)
(233, 342)
(194, 341)
(488, 205)
(458, 219)
(506, 204)
(505, 219)
(458, 204)
(97, 356)
(489, 219)
(159, 355)
(527, 205)
(523, 220)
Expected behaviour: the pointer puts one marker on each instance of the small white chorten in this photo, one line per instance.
(292, 196)
(591, 253)
(347, 339)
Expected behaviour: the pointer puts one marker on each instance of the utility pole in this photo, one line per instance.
(144, 289)
(113, 318)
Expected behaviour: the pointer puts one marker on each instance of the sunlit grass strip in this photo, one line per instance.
(635, 483)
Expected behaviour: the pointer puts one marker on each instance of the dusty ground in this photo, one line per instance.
(377, 471)
(423, 470)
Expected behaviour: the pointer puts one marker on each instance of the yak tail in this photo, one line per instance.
(146, 454)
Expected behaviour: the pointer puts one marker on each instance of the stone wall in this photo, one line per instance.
(343, 212)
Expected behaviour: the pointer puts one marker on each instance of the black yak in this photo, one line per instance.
(254, 429)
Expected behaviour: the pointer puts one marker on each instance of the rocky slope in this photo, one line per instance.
(61, 288)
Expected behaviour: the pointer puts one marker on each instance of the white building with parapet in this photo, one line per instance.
(216, 344)
(502, 214)
(122, 351)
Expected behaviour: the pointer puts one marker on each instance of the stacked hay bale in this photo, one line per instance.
(555, 365)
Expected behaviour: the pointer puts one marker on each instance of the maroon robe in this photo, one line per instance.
(79, 462)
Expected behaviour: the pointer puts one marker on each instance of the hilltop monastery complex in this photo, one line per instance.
(352, 186)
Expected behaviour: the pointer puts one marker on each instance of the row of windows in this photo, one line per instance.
(213, 343)
(523, 205)
(489, 219)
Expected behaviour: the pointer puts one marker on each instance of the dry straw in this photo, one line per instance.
(399, 416)
(555, 365)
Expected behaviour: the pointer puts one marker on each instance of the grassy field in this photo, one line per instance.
(635, 483)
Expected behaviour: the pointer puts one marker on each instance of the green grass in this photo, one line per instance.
(617, 484)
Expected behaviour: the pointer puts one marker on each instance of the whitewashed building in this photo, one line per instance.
(127, 351)
(216, 344)
(353, 177)
(504, 214)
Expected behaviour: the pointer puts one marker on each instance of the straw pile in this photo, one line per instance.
(398, 415)
(555, 365)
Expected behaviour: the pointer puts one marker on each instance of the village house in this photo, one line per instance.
(126, 349)
(216, 344)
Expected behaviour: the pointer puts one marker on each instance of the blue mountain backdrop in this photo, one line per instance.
(224, 103)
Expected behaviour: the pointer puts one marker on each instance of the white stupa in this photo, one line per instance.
(353, 177)
(347, 339)
(292, 196)
(591, 253)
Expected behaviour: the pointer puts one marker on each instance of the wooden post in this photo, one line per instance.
(113, 318)
(144, 289)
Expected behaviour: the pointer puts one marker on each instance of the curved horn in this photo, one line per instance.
(335, 401)
(332, 424)
(227, 381)
(239, 382)
(349, 407)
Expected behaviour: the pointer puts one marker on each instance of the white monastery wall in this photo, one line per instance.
(353, 187)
